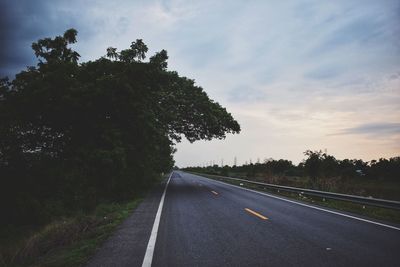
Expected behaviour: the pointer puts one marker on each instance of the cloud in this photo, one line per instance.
(383, 129)
(293, 72)
(27, 21)
(244, 94)
(324, 72)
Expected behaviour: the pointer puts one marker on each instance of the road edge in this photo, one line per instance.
(306, 205)
(148, 257)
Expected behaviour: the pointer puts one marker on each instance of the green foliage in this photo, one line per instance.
(67, 241)
(378, 178)
(56, 50)
(322, 165)
(74, 134)
(160, 60)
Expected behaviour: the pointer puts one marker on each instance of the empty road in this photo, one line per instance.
(208, 223)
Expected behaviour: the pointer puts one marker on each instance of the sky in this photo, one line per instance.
(297, 75)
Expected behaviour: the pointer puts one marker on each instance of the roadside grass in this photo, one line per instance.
(382, 214)
(65, 242)
(361, 185)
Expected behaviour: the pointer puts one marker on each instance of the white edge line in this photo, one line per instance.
(148, 257)
(305, 205)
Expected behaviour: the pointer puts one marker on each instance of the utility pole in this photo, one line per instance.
(235, 161)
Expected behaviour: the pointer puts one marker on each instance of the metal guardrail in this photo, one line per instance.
(370, 201)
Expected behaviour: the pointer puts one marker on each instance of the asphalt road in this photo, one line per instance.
(208, 223)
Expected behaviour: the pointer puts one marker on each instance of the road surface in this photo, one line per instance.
(208, 223)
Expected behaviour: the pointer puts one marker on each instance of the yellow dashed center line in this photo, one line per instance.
(215, 193)
(256, 214)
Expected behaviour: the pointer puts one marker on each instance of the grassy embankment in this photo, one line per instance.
(367, 211)
(65, 241)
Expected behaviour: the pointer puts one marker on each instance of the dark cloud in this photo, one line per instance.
(375, 129)
(25, 21)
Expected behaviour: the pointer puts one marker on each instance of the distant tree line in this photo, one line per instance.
(75, 134)
(316, 167)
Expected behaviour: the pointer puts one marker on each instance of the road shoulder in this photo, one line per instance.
(127, 246)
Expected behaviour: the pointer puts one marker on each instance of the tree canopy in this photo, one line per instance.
(75, 133)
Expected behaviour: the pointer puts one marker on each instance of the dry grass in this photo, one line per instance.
(66, 242)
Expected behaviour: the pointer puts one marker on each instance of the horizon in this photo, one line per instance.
(259, 160)
(299, 75)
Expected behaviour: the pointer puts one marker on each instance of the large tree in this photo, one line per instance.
(77, 133)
